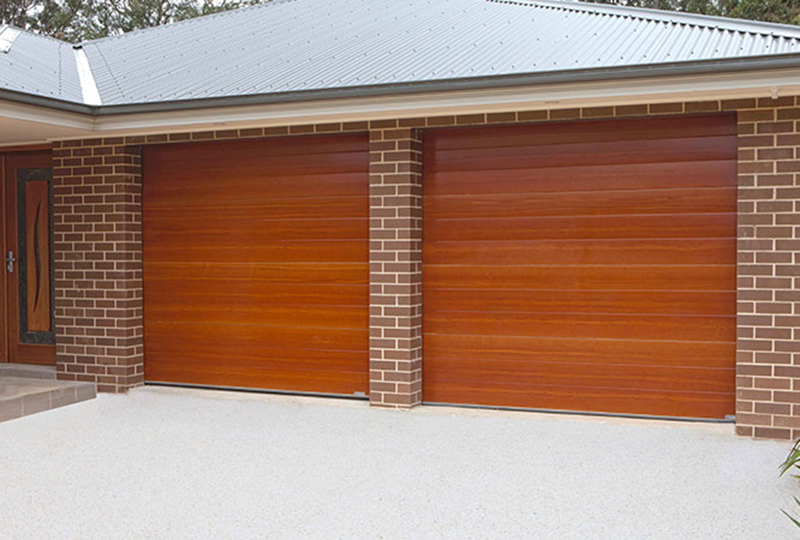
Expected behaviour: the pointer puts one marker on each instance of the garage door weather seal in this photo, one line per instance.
(726, 420)
(359, 396)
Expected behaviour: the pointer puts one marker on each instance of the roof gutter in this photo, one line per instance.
(703, 67)
(50, 103)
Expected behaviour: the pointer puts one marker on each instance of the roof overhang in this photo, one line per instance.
(762, 77)
(22, 124)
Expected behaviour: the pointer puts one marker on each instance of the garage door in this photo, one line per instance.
(584, 266)
(256, 264)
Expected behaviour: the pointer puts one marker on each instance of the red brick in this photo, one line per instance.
(532, 116)
(662, 108)
(565, 114)
(772, 433)
(702, 106)
(631, 110)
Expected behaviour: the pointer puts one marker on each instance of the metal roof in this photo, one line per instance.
(289, 46)
(38, 65)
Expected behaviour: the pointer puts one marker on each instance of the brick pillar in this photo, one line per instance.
(98, 263)
(768, 351)
(395, 265)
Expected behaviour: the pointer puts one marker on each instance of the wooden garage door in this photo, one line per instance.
(256, 263)
(582, 266)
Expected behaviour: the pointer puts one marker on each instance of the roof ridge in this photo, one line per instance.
(228, 12)
(676, 17)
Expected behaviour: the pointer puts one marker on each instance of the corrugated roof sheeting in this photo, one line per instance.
(41, 66)
(296, 45)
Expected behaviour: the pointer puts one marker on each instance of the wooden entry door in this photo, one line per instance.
(28, 326)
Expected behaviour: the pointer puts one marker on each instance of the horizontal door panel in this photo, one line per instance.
(196, 190)
(248, 311)
(652, 252)
(643, 278)
(656, 403)
(498, 300)
(276, 358)
(232, 226)
(578, 352)
(262, 358)
(579, 325)
(582, 228)
(291, 380)
(637, 129)
(313, 147)
(258, 177)
(227, 166)
(572, 178)
(292, 208)
(589, 153)
(249, 251)
(261, 274)
(565, 375)
(246, 293)
(276, 336)
(595, 203)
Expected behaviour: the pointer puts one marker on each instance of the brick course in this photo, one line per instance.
(395, 184)
(98, 252)
(98, 262)
(768, 351)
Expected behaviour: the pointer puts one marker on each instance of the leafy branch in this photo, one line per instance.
(792, 462)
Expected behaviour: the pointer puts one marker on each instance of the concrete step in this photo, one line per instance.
(21, 396)
(28, 371)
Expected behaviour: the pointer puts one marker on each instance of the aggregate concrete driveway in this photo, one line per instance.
(177, 463)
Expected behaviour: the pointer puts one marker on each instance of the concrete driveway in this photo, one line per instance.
(175, 463)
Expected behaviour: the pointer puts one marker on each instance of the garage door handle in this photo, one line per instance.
(10, 260)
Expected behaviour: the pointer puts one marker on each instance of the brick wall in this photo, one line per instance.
(768, 384)
(99, 286)
(395, 184)
(98, 263)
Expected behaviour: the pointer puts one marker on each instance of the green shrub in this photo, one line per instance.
(792, 462)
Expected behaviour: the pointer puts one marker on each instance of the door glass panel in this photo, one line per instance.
(35, 204)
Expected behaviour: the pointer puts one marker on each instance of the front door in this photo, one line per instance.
(26, 294)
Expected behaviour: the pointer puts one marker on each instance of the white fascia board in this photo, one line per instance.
(46, 115)
(22, 143)
(552, 96)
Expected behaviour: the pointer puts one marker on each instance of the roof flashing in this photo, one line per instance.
(8, 35)
(89, 91)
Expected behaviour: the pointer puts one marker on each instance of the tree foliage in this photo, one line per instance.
(777, 11)
(79, 20)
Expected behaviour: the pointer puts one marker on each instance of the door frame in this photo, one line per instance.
(35, 354)
(4, 330)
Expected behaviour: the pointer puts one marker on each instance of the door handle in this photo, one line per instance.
(10, 260)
